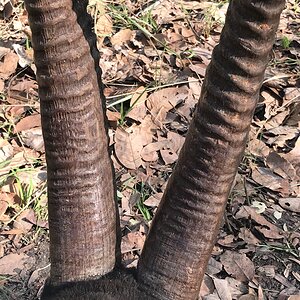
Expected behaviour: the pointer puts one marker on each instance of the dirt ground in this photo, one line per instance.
(153, 57)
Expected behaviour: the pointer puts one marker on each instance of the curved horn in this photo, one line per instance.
(82, 211)
(186, 224)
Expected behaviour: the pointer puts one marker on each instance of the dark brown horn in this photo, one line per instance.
(82, 211)
(185, 226)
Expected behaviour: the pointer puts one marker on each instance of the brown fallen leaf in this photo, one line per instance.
(238, 265)
(21, 222)
(246, 235)
(266, 228)
(132, 241)
(292, 204)
(28, 123)
(8, 64)
(113, 116)
(175, 140)
(248, 297)
(138, 107)
(294, 157)
(153, 200)
(214, 267)
(103, 26)
(258, 148)
(161, 101)
(294, 297)
(268, 179)
(236, 287)
(281, 166)
(222, 289)
(20, 159)
(121, 37)
(168, 156)
(12, 261)
(33, 138)
(129, 144)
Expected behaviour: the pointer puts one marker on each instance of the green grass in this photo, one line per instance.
(285, 42)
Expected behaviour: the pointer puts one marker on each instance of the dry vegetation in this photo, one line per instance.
(153, 56)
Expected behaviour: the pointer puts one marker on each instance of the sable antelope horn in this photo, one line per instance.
(82, 211)
(185, 227)
(83, 221)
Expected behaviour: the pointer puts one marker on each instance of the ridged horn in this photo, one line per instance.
(185, 227)
(82, 211)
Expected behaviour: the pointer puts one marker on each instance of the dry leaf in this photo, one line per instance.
(266, 178)
(236, 287)
(292, 204)
(281, 166)
(214, 267)
(258, 148)
(168, 156)
(266, 228)
(153, 200)
(161, 101)
(129, 144)
(28, 123)
(6, 150)
(11, 262)
(137, 105)
(21, 223)
(33, 138)
(246, 235)
(132, 241)
(149, 152)
(238, 265)
(20, 159)
(9, 64)
(121, 37)
(222, 289)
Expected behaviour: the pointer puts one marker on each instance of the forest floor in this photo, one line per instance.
(153, 57)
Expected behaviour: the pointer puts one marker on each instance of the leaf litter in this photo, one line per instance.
(154, 57)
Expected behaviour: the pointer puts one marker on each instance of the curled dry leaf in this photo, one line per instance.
(238, 265)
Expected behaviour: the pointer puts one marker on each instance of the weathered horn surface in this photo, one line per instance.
(82, 214)
(186, 224)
